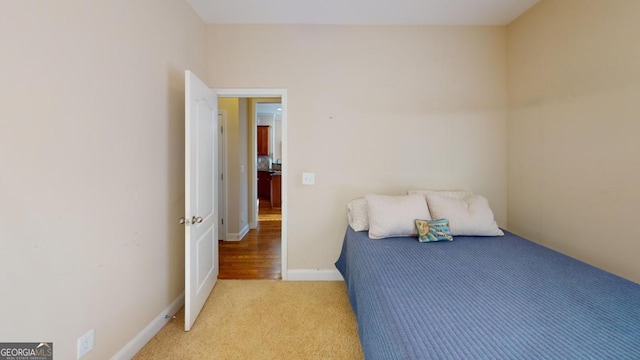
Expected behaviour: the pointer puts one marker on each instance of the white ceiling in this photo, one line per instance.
(362, 12)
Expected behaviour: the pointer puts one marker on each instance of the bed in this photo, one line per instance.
(488, 297)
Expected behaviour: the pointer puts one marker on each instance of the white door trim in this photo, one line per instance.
(222, 188)
(282, 93)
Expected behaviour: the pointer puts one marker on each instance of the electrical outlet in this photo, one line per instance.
(85, 344)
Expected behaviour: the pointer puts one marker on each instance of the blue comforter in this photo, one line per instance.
(485, 298)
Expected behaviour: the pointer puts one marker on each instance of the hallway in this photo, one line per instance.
(257, 255)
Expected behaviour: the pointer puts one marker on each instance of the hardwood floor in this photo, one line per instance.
(257, 255)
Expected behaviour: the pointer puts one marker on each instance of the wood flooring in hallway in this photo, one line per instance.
(258, 254)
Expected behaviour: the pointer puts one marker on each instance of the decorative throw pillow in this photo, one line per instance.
(395, 215)
(358, 214)
(433, 230)
(471, 216)
(454, 194)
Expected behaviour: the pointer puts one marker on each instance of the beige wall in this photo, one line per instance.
(91, 141)
(374, 109)
(243, 155)
(236, 160)
(92, 164)
(574, 164)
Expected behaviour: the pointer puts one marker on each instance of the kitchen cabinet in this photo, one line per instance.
(270, 187)
(263, 140)
(276, 191)
(264, 185)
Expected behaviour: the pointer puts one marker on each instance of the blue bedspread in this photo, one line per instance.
(485, 298)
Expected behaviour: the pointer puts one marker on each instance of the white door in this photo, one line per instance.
(201, 218)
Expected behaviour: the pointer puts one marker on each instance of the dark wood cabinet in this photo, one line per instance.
(270, 188)
(263, 140)
(264, 185)
(276, 191)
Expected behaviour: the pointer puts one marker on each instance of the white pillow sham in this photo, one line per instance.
(358, 214)
(395, 215)
(454, 194)
(471, 216)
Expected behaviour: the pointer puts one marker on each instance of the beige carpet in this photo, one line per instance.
(264, 319)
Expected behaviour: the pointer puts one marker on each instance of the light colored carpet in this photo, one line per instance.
(264, 319)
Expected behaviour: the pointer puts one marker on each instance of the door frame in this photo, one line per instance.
(282, 94)
(253, 126)
(222, 180)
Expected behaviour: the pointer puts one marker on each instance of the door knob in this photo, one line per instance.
(196, 220)
(184, 221)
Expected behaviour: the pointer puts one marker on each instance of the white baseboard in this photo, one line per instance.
(244, 231)
(138, 342)
(314, 275)
(238, 236)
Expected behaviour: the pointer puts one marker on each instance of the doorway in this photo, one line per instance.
(268, 124)
(259, 253)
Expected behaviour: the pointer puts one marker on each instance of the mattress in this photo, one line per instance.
(485, 298)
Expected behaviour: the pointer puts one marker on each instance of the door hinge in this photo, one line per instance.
(221, 129)
(222, 221)
(221, 176)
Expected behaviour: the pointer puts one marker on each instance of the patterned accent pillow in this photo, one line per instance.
(433, 230)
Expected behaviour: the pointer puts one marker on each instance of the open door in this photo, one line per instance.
(201, 189)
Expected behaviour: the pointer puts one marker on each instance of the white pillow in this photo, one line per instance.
(470, 216)
(454, 194)
(358, 214)
(395, 215)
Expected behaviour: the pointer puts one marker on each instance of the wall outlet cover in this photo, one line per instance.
(85, 343)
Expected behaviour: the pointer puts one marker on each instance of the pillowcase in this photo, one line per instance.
(395, 215)
(358, 214)
(471, 216)
(433, 230)
(454, 194)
